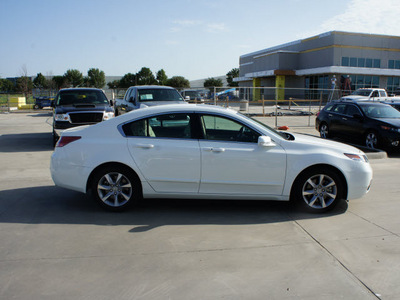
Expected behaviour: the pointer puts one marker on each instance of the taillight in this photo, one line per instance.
(65, 140)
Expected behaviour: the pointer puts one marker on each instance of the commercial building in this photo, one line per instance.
(310, 66)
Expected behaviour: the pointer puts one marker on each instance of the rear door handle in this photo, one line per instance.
(214, 149)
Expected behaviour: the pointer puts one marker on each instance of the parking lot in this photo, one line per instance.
(58, 244)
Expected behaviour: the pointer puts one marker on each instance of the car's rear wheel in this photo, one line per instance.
(371, 140)
(115, 188)
(324, 131)
(318, 189)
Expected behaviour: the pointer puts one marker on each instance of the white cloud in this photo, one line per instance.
(216, 27)
(187, 23)
(367, 16)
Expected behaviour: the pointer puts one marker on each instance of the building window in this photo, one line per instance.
(315, 85)
(361, 62)
(394, 64)
(393, 85)
(363, 81)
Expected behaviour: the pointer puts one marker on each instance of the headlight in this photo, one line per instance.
(390, 128)
(108, 115)
(61, 117)
(357, 157)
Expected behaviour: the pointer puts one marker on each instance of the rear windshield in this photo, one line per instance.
(158, 95)
(362, 92)
(72, 97)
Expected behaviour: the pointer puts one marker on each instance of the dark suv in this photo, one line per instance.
(376, 125)
(79, 106)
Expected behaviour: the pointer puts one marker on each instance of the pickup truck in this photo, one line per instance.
(79, 106)
(369, 94)
(146, 95)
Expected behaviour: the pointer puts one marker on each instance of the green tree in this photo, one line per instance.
(213, 82)
(6, 85)
(113, 84)
(178, 82)
(96, 78)
(232, 74)
(145, 77)
(24, 85)
(162, 77)
(74, 77)
(59, 82)
(128, 80)
(40, 81)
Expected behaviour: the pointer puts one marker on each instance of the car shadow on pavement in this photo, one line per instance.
(26, 142)
(54, 205)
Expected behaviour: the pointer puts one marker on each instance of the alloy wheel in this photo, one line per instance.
(319, 191)
(114, 189)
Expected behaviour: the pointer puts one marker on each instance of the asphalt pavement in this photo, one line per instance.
(58, 244)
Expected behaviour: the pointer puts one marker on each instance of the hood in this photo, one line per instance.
(394, 122)
(82, 108)
(323, 143)
(354, 97)
(155, 103)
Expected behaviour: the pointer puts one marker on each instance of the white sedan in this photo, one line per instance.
(205, 152)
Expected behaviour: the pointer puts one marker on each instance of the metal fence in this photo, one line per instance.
(300, 105)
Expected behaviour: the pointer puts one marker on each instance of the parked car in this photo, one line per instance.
(146, 95)
(376, 125)
(79, 106)
(205, 152)
(43, 101)
(369, 94)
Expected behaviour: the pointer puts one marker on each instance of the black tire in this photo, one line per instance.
(324, 131)
(55, 139)
(318, 190)
(116, 188)
(371, 140)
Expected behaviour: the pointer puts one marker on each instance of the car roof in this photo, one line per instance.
(80, 89)
(141, 87)
(174, 108)
(358, 102)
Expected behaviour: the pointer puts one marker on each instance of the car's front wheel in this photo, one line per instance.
(116, 188)
(371, 140)
(318, 189)
(324, 131)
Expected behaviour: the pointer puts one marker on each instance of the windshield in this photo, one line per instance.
(362, 92)
(381, 111)
(158, 95)
(72, 97)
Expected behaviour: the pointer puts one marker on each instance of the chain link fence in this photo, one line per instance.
(275, 105)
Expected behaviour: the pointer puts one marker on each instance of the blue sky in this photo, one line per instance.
(194, 39)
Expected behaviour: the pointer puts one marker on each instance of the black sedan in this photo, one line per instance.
(375, 125)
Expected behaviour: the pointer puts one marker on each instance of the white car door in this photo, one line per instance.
(233, 162)
(166, 155)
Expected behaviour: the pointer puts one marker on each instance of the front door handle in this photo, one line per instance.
(145, 146)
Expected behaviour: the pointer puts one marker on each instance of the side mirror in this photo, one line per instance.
(52, 104)
(111, 102)
(187, 98)
(265, 141)
(131, 99)
(358, 117)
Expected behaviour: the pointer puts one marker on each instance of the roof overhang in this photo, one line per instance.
(321, 70)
